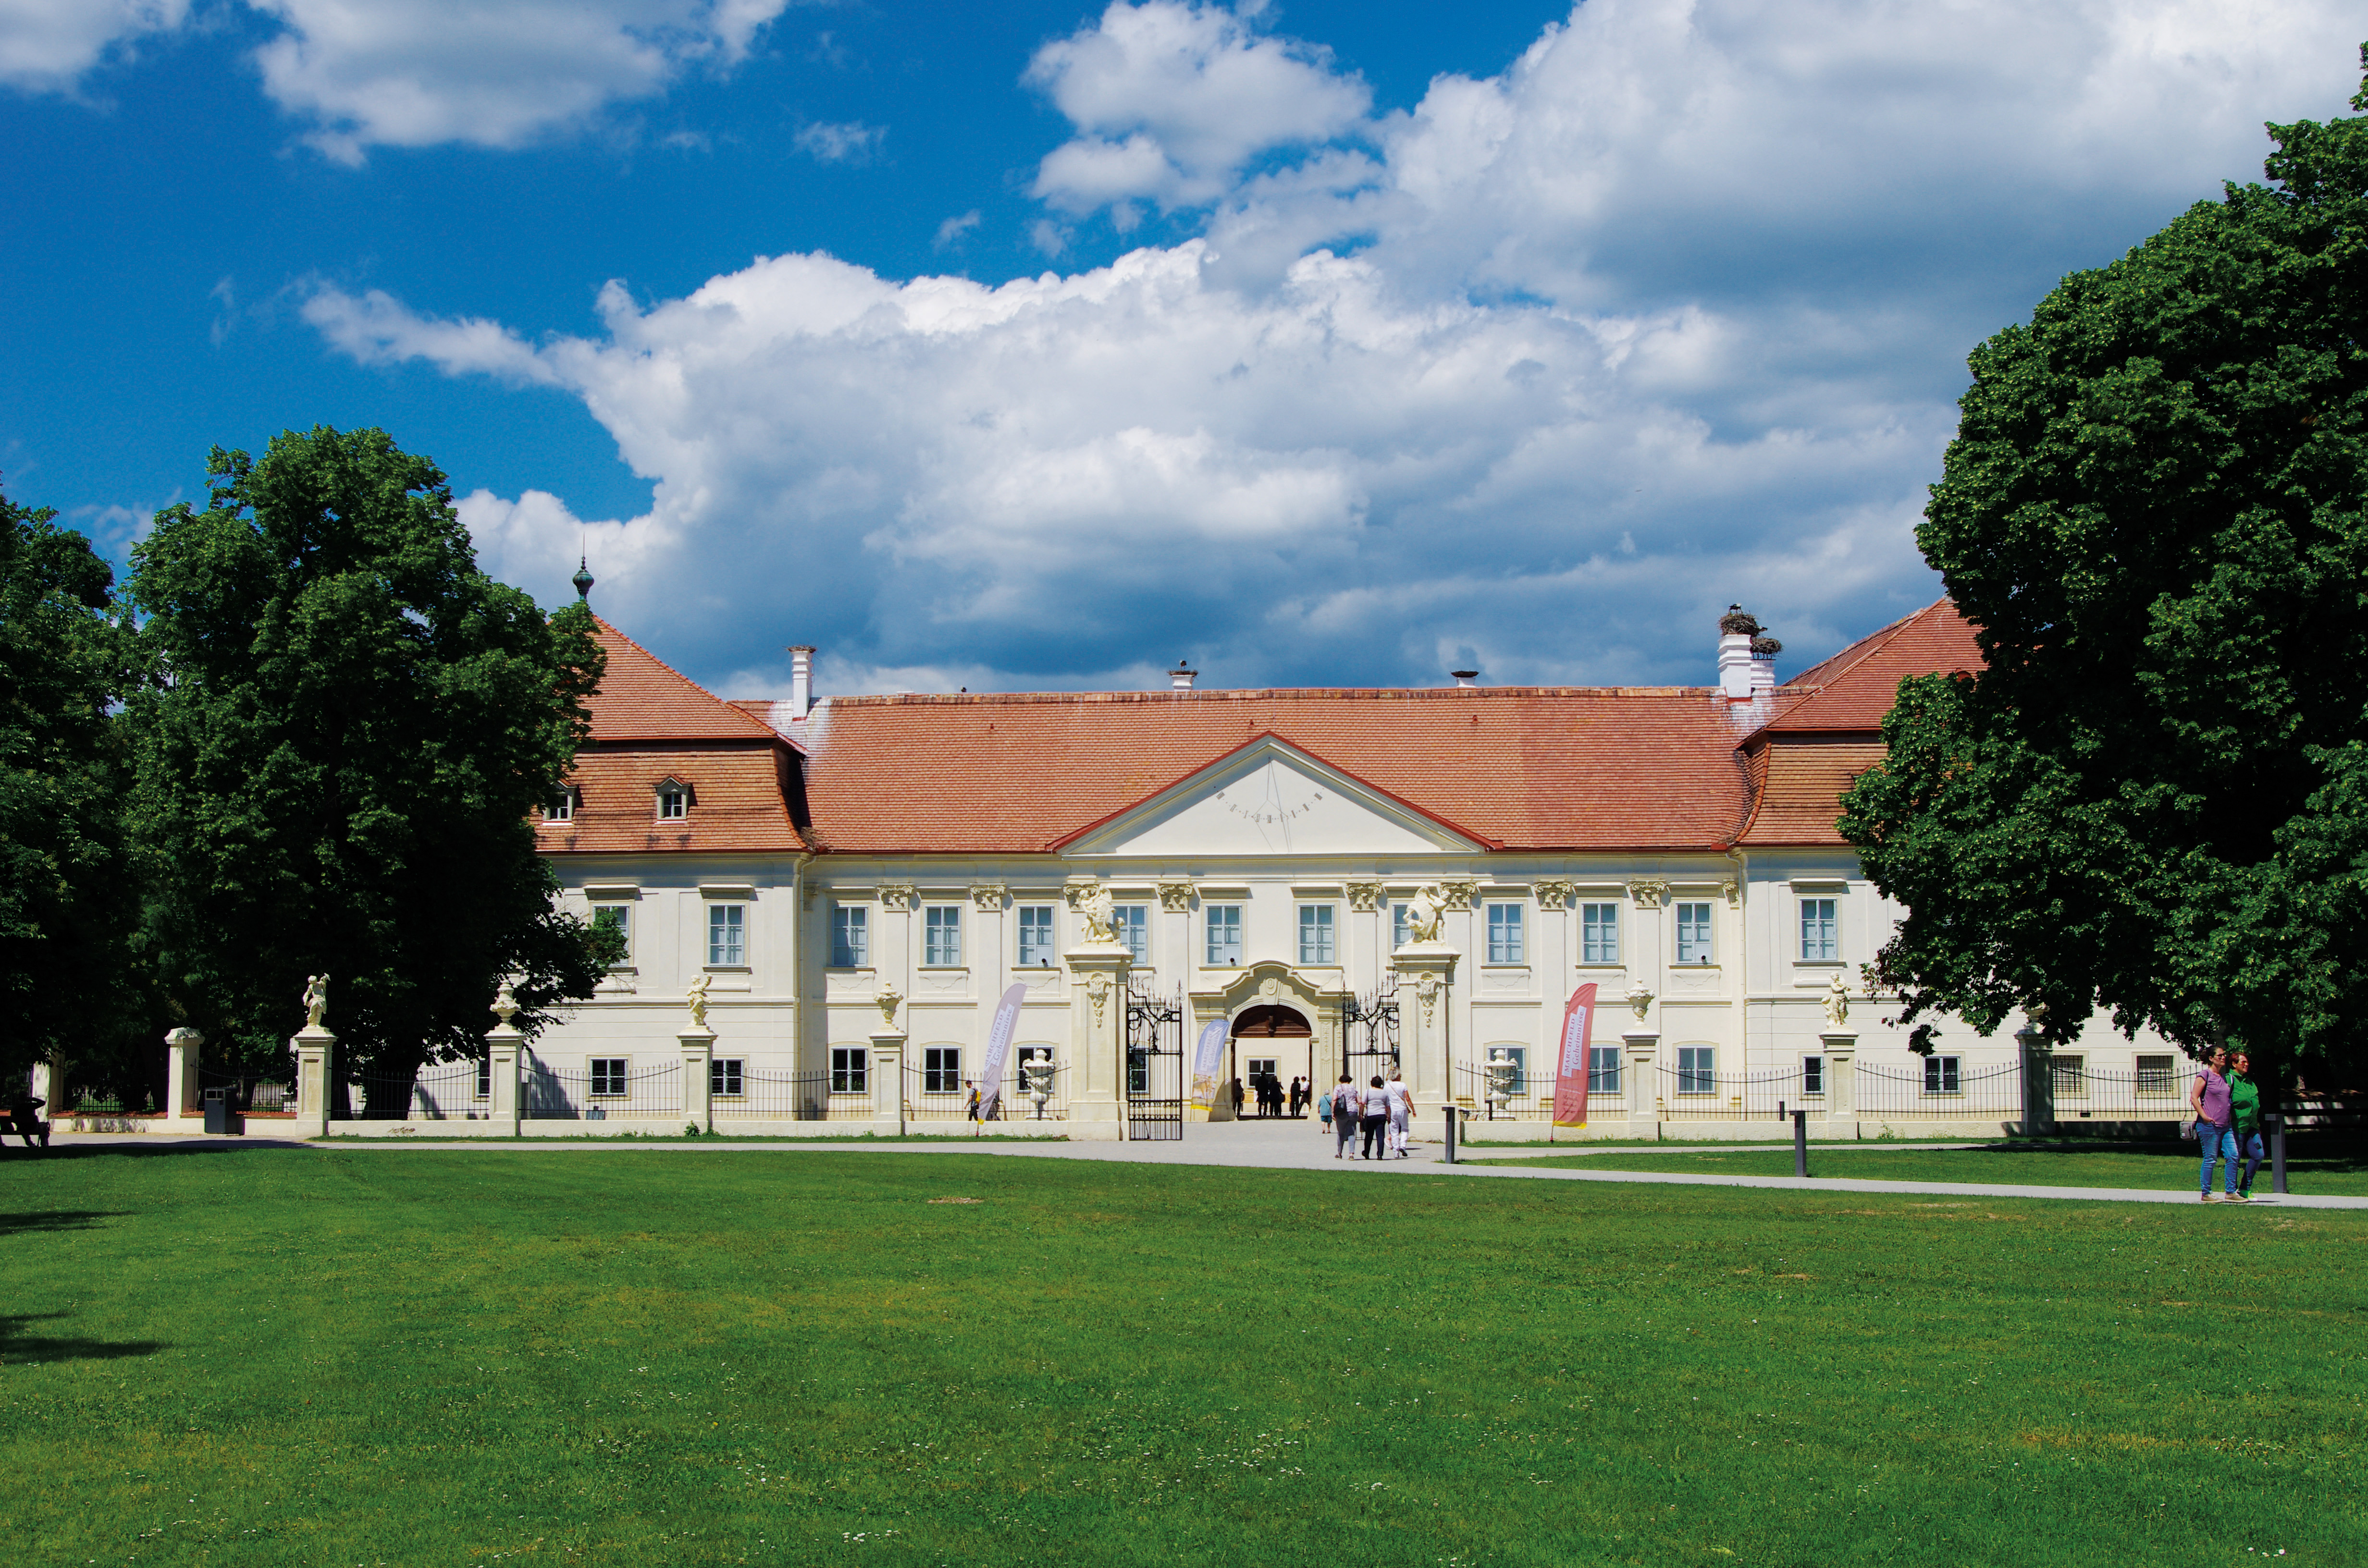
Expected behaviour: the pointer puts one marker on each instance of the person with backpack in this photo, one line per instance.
(2208, 1097)
(1347, 1106)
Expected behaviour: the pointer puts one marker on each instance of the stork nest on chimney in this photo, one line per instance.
(1739, 622)
(1766, 647)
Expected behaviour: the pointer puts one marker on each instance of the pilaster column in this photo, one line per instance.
(885, 1073)
(1097, 1040)
(1842, 1083)
(697, 1060)
(1641, 1051)
(181, 1047)
(1426, 973)
(315, 1049)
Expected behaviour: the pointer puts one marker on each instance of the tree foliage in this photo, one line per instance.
(66, 893)
(346, 728)
(2154, 798)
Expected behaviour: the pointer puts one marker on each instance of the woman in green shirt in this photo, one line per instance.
(2245, 1119)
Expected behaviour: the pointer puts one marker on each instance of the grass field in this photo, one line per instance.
(339, 1356)
(2335, 1170)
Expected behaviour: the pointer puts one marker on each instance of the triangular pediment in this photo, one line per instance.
(1272, 798)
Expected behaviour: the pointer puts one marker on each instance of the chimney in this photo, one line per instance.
(1465, 678)
(801, 679)
(1735, 631)
(1764, 665)
(1180, 677)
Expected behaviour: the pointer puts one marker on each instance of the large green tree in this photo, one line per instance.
(2154, 798)
(67, 896)
(345, 730)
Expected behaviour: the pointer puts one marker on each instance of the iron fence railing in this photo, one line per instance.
(1940, 1087)
(942, 1094)
(1703, 1094)
(1529, 1096)
(754, 1093)
(249, 1092)
(2155, 1091)
(607, 1088)
(440, 1091)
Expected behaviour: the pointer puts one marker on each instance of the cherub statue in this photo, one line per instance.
(1100, 916)
(1425, 914)
(697, 997)
(316, 999)
(1837, 1000)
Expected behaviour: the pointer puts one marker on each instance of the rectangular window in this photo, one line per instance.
(617, 917)
(1316, 934)
(2156, 1076)
(1225, 933)
(850, 937)
(1505, 945)
(727, 943)
(1694, 933)
(673, 802)
(1133, 920)
(941, 934)
(1821, 936)
(723, 1077)
(1598, 933)
(1035, 935)
(562, 807)
(1398, 926)
(850, 1068)
(2071, 1076)
(1602, 1069)
(1941, 1076)
(1697, 1068)
(941, 1070)
(608, 1076)
(485, 1080)
(1812, 1075)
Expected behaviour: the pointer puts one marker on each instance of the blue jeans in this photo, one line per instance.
(2248, 1145)
(2218, 1142)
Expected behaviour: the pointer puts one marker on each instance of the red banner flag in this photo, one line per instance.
(1570, 1074)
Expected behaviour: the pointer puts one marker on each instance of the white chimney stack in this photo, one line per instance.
(1180, 678)
(1465, 678)
(1734, 667)
(800, 680)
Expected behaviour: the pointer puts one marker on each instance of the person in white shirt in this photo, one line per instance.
(1401, 1105)
(1348, 1105)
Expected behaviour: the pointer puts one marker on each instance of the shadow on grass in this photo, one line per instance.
(55, 1220)
(217, 1148)
(19, 1348)
(2334, 1154)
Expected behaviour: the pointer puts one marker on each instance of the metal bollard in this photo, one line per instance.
(2278, 1154)
(1450, 1135)
(1800, 1142)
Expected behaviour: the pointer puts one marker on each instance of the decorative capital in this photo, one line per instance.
(1175, 896)
(1648, 892)
(1079, 889)
(1733, 890)
(896, 895)
(1553, 892)
(886, 999)
(1364, 897)
(1460, 892)
(988, 896)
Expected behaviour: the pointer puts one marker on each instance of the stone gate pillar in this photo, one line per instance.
(698, 1086)
(2038, 1083)
(315, 1049)
(1426, 973)
(1641, 1073)
(181, 1087)
(885, 1072)
(1842, 1083)
(1097, 1040)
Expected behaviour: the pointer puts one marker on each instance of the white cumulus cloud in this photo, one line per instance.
(47, 45)
(1544, 372)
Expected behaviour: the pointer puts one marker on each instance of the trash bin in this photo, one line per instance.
(219, 1117)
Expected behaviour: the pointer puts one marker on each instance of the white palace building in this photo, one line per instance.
(854, 886)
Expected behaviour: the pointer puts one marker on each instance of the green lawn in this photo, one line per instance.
(340, 1355)
(2168, 1168)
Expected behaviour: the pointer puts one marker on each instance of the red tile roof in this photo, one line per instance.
(737, 802)
(1802, 780)
(1855, 688)
(1526, 766)
(642, 698)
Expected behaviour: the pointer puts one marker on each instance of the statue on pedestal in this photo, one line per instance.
(1425, 914)
(316, 999)
(1837, 1000)
(697, 997)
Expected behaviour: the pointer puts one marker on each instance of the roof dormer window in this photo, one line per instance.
(673, 800)
(563, 805)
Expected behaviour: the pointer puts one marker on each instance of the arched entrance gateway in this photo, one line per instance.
(1272, 1044)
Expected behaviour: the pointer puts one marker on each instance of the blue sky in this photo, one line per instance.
(1039, 345)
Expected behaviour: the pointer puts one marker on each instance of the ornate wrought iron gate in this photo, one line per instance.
(1368, 1033)
(1155, 1061)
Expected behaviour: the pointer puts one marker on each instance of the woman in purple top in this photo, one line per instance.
(2209, 1099)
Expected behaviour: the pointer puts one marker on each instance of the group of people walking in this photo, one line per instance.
(2227, 1105)
(1381, 1110)
(1272, 1098)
